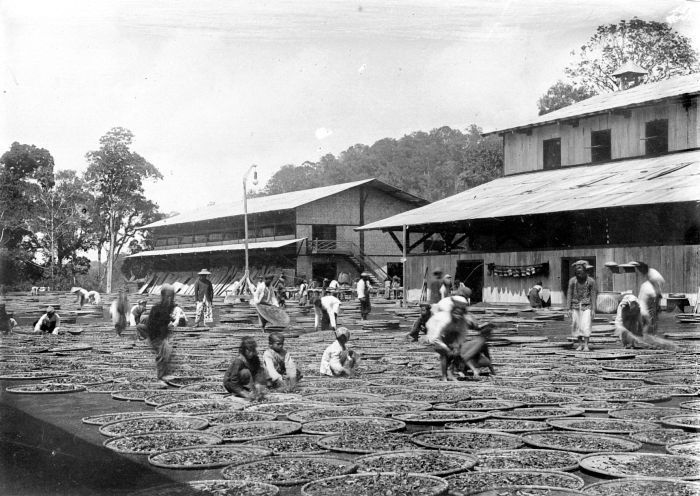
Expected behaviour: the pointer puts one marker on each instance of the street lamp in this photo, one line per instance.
(253, 168)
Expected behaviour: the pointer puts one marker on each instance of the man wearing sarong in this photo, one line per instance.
(326, 310)
(265, 295)
(363, 287)
(204, 296)
(159, 330)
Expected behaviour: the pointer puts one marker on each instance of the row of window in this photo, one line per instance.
(655, 140)
(262, 232)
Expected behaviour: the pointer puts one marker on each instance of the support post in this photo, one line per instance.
(404, 260)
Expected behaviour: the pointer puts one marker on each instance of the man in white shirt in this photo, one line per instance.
(337, 360)
(363, 288)
(326, 310)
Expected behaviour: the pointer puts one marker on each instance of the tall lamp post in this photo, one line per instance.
(254, 169)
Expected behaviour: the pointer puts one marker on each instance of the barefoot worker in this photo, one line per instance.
(580, 302)
(204, 296)
(159, 330)
(267, 305)
(337, 359)
(326, 310)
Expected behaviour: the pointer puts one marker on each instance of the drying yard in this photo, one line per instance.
(82, 413)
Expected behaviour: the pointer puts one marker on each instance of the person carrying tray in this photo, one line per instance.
(246, 376)
(475, 353)
(419, 324)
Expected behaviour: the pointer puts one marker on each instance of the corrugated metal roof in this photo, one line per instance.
(284, 201)
(261, 245)
(666, 179)
(638, 95)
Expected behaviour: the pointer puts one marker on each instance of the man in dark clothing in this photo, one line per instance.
(434, 285)
(280, 286)
(245, 376)
(203, 296)
(419, 324)
(159, 329)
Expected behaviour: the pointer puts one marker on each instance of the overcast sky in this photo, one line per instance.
(209, 87)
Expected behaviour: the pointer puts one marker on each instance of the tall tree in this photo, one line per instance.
(25, 171)
(117, 175)
(654, 46)
(62, 221)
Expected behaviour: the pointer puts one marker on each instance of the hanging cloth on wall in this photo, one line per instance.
(519, 270)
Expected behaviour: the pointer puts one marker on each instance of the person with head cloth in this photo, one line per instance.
(363, 288)
(246, 376)
(203, 296)
(50, 322)
(337, 359)
(580, 302)
(158, 330)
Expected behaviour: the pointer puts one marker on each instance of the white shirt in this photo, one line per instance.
(177, 314)
(330, 362)
(334, 284)
(330, 304)
(264, 294)
(362, 288)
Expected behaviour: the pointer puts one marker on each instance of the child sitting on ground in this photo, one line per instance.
(337, 360)
(245, 376)
(281, 370)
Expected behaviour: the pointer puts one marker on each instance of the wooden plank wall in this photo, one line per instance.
(680, 266)
(523, 153)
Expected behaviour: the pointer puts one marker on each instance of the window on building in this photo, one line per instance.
(551, 153)
(200, 238)
(161, 242)
(656, 138)
(173, 241)
(600, 146)
(186, 239)
(216, 236)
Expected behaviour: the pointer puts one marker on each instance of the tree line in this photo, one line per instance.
(431, 165)
(50, 220)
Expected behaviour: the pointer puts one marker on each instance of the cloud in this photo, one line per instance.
(323, 133)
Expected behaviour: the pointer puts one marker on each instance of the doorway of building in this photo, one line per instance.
(471, 273)
(567, 271)
(324, 236)
(394, 269)
(321, 270)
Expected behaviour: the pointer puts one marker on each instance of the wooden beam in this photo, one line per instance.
(570, 122)
(422, 238)
(396, 240)
(455, 243)
(526, 132)
(624, 113)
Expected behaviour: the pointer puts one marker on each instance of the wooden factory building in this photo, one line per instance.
(309, 233)
(615, 177)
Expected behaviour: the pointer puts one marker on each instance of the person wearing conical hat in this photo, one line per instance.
(580, 302)
(203, 296)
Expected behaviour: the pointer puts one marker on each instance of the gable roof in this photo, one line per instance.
(639, 95)
(283, 201)
(641, 181)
